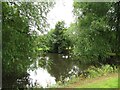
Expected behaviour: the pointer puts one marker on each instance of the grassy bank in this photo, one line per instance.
(107, 81)
(101, 77)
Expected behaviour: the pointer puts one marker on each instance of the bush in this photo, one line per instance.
(103, 70)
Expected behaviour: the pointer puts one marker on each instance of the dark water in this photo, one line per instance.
(48, 70)
(55, 67)
(62, 65)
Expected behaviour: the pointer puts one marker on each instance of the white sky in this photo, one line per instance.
(61, 11)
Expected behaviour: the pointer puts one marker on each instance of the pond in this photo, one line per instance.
(55, 67)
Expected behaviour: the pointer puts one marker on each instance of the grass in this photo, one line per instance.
(110, 83)
(107, 81)
(101, 77)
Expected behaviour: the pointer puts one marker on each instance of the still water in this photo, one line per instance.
(55, 67)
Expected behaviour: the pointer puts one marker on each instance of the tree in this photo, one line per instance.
(114, 23)
(19, 43)
(58, 40)
(93, 32)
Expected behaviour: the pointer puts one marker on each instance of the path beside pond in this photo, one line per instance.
(107, 81)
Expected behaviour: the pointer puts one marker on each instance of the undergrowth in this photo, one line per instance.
(103, 70)
(91, 72)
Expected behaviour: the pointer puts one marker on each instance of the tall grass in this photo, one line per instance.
(103, 70)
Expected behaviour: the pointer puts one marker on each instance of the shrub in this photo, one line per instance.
(103, 70)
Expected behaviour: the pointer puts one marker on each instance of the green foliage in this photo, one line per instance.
(71, 34)
(16, 42)
(42, 43)
(94, 37)
(114, 22)
(57, 40)
(19, 43)
(103, 70)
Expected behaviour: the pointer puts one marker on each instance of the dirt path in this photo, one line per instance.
(82, 82)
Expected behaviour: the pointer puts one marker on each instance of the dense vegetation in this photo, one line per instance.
(95, 36)
(58, 41)
(93, 39)
(19, 41)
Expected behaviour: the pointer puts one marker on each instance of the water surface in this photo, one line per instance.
(55, 67)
